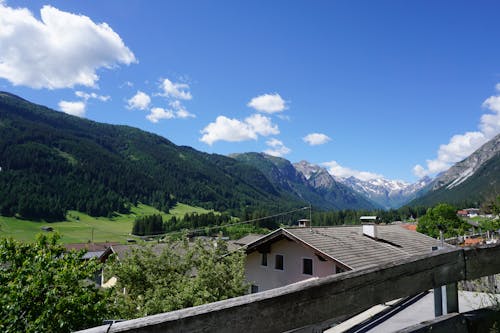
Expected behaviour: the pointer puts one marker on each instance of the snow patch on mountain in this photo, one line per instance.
(386, 192)
(463, 177)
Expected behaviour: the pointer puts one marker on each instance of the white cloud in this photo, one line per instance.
(86, 96)
(315, 139)
(139, 101)
(278, 149)
(73, 108)
(226, 129)
(175, 90)
(262, 125)
(490, 122)
(59, 51)
(461, 146)
(268, 103)
(180, 110)
(337, 170)
(235, 130)
(159, 113)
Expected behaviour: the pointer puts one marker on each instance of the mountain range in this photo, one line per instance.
(385, 192)
(51, 162)
(468, 182)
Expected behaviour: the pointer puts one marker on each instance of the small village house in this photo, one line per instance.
(292, 254)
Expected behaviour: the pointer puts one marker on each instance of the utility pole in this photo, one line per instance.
(310, 218)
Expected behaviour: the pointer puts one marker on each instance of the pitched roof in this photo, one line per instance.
(89, 246)
(348, 246)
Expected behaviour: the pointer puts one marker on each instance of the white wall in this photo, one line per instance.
(267, 277)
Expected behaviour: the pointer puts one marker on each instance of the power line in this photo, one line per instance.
(250, 221)
(231, 224)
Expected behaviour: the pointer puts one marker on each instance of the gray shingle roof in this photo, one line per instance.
(348, 246)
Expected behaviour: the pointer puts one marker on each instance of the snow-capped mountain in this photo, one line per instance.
(387, 193)
(319, 189)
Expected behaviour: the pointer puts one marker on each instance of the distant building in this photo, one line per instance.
(289, 255)
(468, 212)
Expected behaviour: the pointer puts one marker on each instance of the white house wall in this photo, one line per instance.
(267, 277)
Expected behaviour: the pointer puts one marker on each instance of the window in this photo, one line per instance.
(254, 289)
(278, 262)
(307, 266)
(263, 259)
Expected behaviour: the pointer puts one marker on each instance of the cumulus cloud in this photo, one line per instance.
(177, 111)
(73, 108)
(86, 96)
(180, 110)
(490, 122)
(461, 146)
(226, 129)
(337, 170)
(315, 139)
(140, 101)
(268, 103)
(60, 50)
(262, 125)
(159, 113)
(234, 130)
(175, 90)
(277, 148)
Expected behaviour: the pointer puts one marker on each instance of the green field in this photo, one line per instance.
(82, 228)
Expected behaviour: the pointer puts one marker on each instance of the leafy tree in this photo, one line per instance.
(45, 289)
(182, 275)
(442, 216)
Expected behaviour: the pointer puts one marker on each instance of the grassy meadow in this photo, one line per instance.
(81, 228)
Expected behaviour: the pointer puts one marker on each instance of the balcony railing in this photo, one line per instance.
(322, 300)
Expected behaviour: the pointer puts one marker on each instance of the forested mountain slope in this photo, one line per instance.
(318, 187)
(52, 162)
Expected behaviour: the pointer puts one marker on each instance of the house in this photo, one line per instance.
(99, 251)
(289, 255)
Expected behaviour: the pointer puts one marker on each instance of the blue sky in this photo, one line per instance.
(366, 88)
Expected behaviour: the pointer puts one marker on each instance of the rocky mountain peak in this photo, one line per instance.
(461, 171)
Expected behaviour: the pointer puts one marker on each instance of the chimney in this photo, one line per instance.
(304, 223)
(370, 230)
(369, 226)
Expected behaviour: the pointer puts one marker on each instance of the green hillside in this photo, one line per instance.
(52, 163)
(81, 228)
